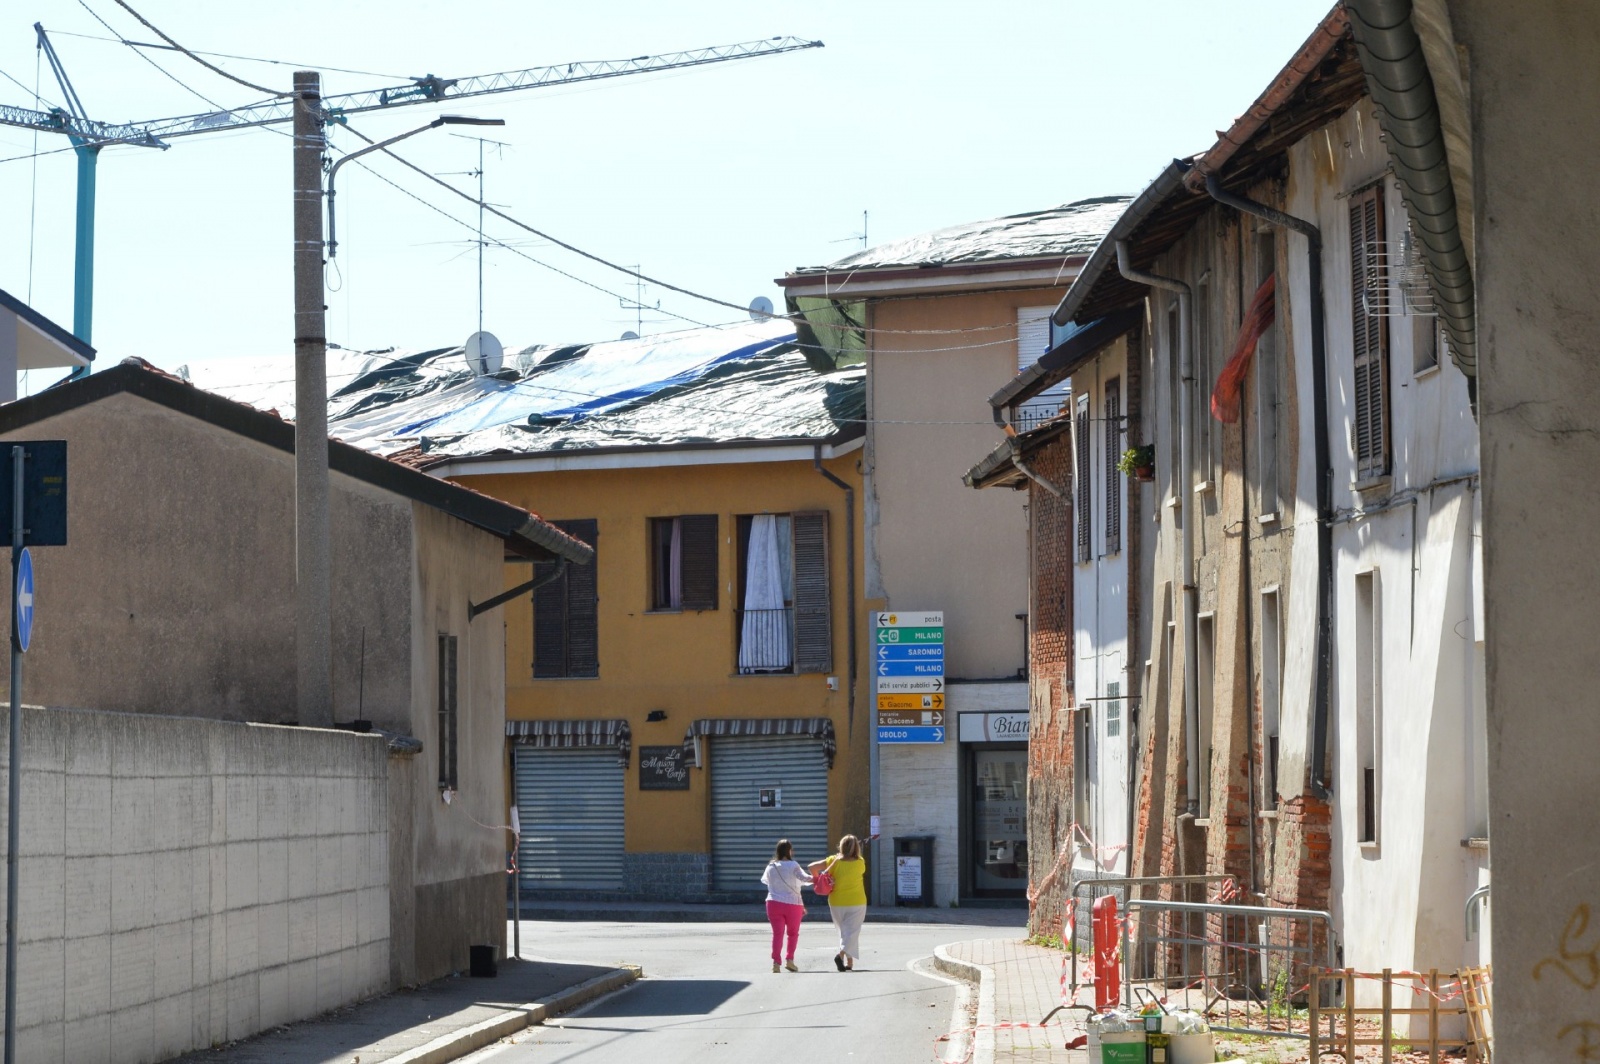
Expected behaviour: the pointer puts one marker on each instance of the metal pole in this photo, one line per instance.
(83, 263)
(14, 767)
(313, 568)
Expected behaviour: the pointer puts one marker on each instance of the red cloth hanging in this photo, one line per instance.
(1230, 382)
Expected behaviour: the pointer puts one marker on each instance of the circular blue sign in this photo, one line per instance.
(23, 597)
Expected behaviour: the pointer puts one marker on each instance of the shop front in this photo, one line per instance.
(994, 818)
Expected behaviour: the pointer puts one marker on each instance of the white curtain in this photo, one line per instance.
(675, 567)
(764, 642)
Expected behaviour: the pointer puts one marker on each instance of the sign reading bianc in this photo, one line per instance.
(908, 670)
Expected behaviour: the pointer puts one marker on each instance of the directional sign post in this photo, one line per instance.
(907, 662)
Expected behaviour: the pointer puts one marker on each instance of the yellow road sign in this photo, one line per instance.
(911, 701)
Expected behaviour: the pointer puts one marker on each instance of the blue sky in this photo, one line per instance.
(719, 179)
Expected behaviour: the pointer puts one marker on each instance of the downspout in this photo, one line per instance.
(1185, 493)
(1037, 478)
(475, 611)
(850, 574)
(1321, 462)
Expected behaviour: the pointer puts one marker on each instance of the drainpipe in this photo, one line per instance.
(1320, 784)
(1037, 478)
(850, 573)
(1185, 493)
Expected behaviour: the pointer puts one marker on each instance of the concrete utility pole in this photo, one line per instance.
(313, 568)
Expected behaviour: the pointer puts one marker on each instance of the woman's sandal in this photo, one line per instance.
(838, 960)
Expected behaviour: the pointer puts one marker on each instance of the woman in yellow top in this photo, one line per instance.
(848, 902)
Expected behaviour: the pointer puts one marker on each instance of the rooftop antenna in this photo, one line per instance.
(499, 148)
(861, 236)
(637, 303)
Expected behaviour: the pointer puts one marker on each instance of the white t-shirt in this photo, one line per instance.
(783, 880)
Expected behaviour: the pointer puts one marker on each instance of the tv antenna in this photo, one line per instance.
(499, 149)
(637, 303)
(853, 237)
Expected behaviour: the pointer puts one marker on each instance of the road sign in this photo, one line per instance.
(902, 652)
(910, 702)
(910, 668)
(887, 717)
(910, 685)
(44, 494)
(23, 597)
(931, 619)
(910, 635)
(910, 735)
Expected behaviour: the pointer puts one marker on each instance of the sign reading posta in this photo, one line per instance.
(992, 727)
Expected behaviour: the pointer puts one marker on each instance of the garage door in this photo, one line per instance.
(765, 788)
(570, 804)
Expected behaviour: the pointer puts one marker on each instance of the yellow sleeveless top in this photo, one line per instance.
(849, 882)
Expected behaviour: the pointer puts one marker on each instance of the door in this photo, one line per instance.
(570, 804)
(998, 820)
(1111, 785)
(765, 788)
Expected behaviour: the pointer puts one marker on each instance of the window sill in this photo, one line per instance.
(1369, 846)
(1266, 814)
(668, 610)
(1425, 372)
(547, 679)
(1203, 488)
(1267, 519)
(763, 675)
(1370, 484)
(1202, 822)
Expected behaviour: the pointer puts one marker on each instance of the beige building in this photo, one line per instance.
(174, 596)
(941, 320)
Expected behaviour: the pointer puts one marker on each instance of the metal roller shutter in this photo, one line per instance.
(742, 831)
(570, 804)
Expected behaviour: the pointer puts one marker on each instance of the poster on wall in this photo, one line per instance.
(662, 768)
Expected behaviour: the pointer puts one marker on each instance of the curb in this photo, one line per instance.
(982, 976)
(875, 915)
(469, 1039)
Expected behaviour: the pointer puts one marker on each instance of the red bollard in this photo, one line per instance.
(1107, 943)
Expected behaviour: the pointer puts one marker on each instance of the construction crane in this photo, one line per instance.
(88, 137)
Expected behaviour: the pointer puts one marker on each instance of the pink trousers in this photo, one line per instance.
(784, 917)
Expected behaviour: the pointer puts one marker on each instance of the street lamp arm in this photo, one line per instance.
(333, 171)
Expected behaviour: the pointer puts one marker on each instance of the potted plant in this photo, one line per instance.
(1139, 462)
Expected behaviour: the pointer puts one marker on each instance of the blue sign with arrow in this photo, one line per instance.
(22, 595)
(911, 734)
(902, 652)
(911, 668)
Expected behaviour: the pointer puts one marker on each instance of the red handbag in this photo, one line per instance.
(822, 882)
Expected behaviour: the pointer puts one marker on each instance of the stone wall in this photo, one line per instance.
(189, 882)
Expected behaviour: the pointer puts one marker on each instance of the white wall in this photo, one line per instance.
(187, 882)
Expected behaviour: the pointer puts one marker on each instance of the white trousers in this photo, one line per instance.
(848, 919)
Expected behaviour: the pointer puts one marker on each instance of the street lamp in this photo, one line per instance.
(333, 172)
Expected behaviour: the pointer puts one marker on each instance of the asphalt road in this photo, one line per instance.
(709, 996)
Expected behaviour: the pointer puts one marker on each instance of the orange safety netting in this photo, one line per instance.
(1230, 383)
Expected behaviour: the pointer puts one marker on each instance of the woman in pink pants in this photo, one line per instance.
(783, 879)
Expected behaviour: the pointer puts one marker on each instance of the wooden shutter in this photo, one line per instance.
(1113, 447)
(1370, 335)
(1081, 441)
(565, 621)
(813, 620)
(698, 560)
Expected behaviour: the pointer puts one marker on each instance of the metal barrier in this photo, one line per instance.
(1248, 963)
(1135, 882)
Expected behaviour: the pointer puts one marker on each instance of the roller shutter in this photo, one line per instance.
(742, 831)
(570, 804)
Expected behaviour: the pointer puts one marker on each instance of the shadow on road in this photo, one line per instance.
(668, 997)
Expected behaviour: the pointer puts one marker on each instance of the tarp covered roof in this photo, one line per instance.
(1070, 229)
(745, 383)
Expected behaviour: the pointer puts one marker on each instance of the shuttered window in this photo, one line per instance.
(565, 622)
(813, 618)
(1113, 476)
(1084, 495)
(683, 559)
(1370, 333)
(447, 711)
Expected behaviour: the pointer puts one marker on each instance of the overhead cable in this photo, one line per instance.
(209, 66)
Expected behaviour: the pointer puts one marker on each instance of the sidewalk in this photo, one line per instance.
(1017, 984)
(754, 912)
(444, 1020)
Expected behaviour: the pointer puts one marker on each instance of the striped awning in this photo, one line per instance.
(820, 728)
(573, 733)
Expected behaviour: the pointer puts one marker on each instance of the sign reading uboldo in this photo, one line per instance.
(908, 669)
(993, 727)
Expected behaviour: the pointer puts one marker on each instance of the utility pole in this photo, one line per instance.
(313, 568)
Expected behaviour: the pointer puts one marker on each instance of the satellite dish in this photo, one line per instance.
(760, 308)
(630, 335)
(484, 354)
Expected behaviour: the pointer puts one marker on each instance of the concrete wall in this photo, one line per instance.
(685, 663)
(177, 580)
(189, 882)
(1530, 76)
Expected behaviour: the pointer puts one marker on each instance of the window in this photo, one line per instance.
(1206, 658)
(1267, 399)
(1271, 687)
(1370, 332)
(447, 711)
(1085, 493)
(1200, 389)
(1033, 340)
(785, 614)
(1113, 448)
(565, 621)
(683, 562)
(1113, 712)
(1083, 770)
(1369, 704)
(1426, 340)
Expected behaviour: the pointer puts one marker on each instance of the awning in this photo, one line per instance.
(816, 727)
(573, 733)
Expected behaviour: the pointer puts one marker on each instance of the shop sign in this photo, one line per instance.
(993, 727)
(662, 768)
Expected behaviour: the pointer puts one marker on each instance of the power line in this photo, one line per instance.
(209, 66)
(229, 55)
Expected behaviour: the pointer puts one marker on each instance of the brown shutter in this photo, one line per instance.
(1370, 335)
(813, 621)
(1084, 484)
(1113, 445)
(565, 623)
(699, 561)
